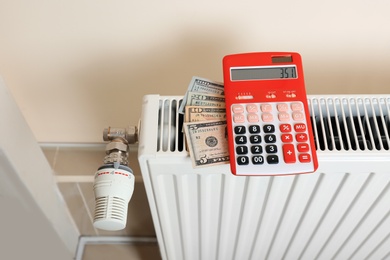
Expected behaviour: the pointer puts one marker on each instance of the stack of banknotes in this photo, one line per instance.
(204, 124)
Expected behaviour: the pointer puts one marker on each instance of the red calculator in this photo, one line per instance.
(268, 120)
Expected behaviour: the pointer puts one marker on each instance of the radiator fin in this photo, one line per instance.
(319, 216)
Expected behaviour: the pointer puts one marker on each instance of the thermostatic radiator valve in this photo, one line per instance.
(114, 180)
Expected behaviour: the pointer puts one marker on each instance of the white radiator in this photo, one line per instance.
(342, 211)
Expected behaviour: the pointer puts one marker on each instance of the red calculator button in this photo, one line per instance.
(253, 118)
(283, 116)
(300, 127)
(267, 117)
(238, 118)
(285, 128)
(237, 109)
(296, 106)
(298, 116)
(266, 108)
(301, 137)
(251, 108)
(304, 158)
(289, 153)
(287, 138)
(303, 148)
(282, 107)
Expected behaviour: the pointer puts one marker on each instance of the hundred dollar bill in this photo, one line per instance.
(202, 85)
(207, 143)
(196, 113)
(205, 100)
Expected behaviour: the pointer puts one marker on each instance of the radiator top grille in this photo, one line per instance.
(345, 123)
(170, 137)
(350, 123)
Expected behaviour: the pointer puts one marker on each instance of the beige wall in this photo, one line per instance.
(75, 67)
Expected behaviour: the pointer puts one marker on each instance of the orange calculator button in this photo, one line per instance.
(303, 148)
(301, 137)
(300, 127)
(287, 138)
(285, 128)
(304, 158)
(289, 153)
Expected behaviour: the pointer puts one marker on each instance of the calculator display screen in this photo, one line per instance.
(261, 73)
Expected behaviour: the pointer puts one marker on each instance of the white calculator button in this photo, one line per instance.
(238, 108)
(251, 108)
(253, 118)
(296, 107)
(238, 118)
(283, 116)
(266, 107)
(282, 107)
(298, 116)
(267, 117)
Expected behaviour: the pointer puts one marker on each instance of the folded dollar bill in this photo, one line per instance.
(199, 113)
(201, 85)
(207, 142)
(205, 99)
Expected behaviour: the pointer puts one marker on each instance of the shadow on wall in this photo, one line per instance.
(165, 68)
(346, 74)
(112, 85)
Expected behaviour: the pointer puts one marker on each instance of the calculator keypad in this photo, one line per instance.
(269, 134)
